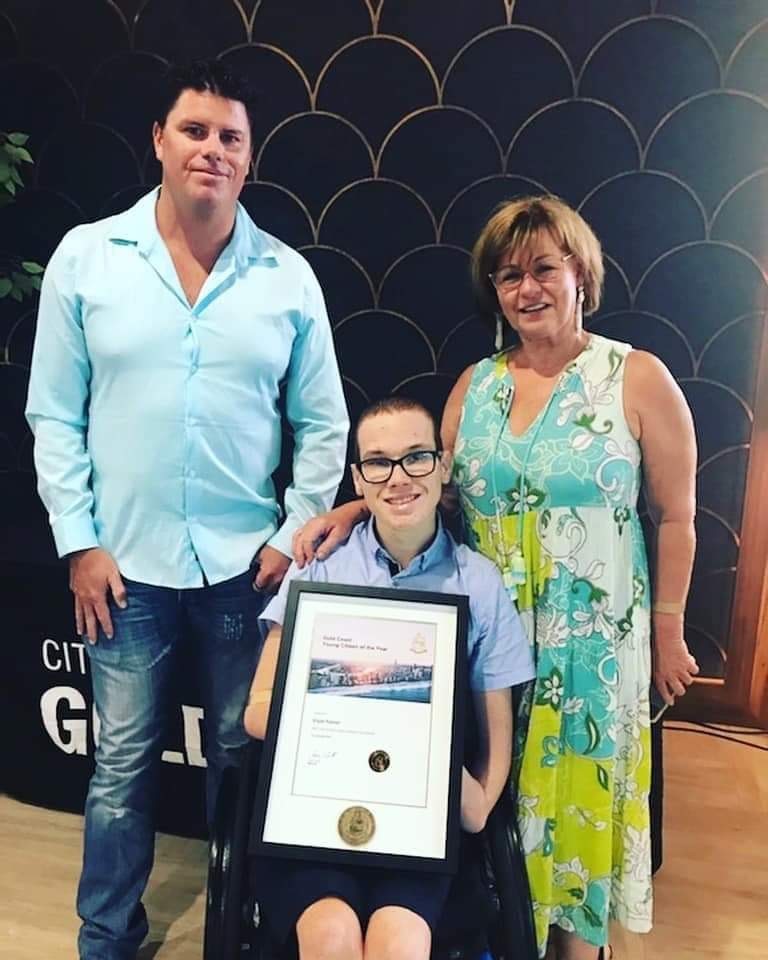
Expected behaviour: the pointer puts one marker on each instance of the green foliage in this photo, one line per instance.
(18, 278)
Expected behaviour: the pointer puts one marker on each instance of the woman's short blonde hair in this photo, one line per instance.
(515, 223)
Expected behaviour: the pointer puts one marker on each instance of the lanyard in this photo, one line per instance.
(513, 569)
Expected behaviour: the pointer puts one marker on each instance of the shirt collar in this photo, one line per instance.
(428, 558)
(138, 226)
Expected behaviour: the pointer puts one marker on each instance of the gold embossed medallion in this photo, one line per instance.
(356, 826)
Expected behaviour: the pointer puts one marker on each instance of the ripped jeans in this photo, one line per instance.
(131, 676)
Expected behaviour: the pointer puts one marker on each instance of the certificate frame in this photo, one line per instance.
(315, 725)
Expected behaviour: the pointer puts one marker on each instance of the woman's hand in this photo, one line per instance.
(674, 667)
(320, 536)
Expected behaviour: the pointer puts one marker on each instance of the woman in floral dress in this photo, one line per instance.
(548, 441)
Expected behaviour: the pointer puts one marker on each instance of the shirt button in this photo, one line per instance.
(191, 473)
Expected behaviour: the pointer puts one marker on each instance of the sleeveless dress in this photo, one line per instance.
(564, 494)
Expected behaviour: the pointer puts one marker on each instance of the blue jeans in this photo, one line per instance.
(131, 675)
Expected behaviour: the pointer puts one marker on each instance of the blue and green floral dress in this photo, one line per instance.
(564, 495)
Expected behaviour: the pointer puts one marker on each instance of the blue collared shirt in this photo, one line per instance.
(498, 651)
(156, 423)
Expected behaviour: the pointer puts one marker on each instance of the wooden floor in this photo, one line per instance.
(711, 894)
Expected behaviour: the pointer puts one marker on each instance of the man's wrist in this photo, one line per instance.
(273, 546)
(76, 554)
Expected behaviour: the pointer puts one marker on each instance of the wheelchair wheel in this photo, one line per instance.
(229, 912)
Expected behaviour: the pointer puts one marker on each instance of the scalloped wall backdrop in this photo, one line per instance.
(387, 132)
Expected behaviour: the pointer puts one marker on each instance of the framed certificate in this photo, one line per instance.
(364, 748)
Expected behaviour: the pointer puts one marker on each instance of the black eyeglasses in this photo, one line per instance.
(419, 463)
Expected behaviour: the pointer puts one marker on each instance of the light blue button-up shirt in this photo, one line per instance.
(156, 423)
(498, 652)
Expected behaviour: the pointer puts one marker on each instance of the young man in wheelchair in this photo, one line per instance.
(345, 912)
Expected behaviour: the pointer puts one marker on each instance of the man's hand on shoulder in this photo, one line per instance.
(273, 566)
(92, 573)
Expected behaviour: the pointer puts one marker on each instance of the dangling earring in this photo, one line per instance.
(579, 307)
(499, 338)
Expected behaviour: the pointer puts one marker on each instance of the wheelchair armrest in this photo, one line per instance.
(505, 852)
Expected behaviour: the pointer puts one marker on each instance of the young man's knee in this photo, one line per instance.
(329, 930)
(396, 933)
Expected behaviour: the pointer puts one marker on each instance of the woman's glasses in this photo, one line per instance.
(547, 270)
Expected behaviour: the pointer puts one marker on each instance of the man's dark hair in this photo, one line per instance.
(395, 404)
(211, 76)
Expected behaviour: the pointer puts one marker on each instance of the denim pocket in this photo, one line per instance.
(143, 631)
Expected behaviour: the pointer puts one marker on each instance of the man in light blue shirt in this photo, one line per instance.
(399, 473)
(165, 335)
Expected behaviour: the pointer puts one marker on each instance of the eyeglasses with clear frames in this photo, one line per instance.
(418, 463)
(545, 271)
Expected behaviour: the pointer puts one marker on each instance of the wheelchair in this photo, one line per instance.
(488, 911)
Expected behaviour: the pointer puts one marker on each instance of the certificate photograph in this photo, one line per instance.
(363, 657)
(363, 753)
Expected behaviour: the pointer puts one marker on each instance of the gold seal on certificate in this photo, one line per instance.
(356, 826)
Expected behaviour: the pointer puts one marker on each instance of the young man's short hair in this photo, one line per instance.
(395, 404)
